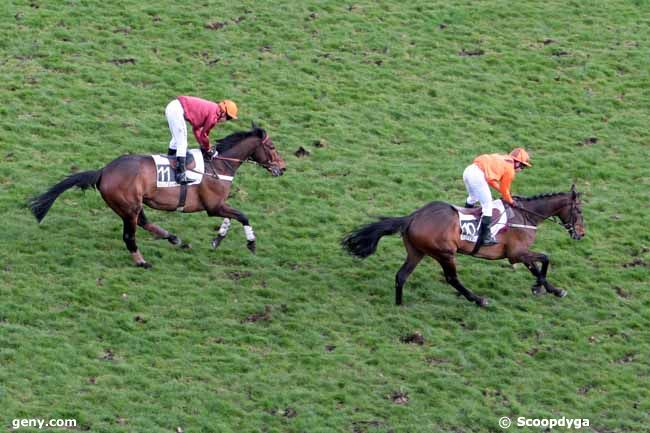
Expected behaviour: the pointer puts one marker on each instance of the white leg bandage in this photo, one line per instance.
(478, 188)
(176, 120)
(225, 226)
(250, 236)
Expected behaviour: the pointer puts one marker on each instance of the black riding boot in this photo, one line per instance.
(171, 152)
(469, 206)
(485, 236)
(181, 178)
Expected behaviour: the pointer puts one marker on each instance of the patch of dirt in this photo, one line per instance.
(260, 316)
(400, 397)
(313, 16)
(622, 292)
(585, 389)
(364, 426)
(126, 30)
(140, 319)
(547, 41)
(302, 152)
(443, 26)
(266, 48)
(330, 348)
(626, 359)
(635, 262)
(126, 61)
(532, 352)
(432, 360)
(469, 53)
(92, 380)
(236, 275)
(589, 141)
(108, 355)
(289, 412)
(414, 338)
(215, 25)
(559, 53)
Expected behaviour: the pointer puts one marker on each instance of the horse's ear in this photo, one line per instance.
(574, 194)
(254, 125)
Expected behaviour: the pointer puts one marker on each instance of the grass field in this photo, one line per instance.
(400, 97)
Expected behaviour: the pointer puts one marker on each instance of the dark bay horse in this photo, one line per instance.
(129, 181)
(434, 230)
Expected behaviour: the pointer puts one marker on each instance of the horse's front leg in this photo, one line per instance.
(231, 213)
(529, 260)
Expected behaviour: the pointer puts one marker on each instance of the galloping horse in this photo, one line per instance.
(434, 230)
(131, 180)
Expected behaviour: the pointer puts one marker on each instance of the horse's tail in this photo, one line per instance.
(84, 180)
(363, 241)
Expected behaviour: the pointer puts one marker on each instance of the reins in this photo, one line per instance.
(568, 226)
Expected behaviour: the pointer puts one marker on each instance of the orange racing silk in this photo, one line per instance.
(499, 172)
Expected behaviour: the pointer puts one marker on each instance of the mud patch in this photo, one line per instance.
(364, 426)
(471, 53)
(216, 25)
(414, 338)
(236, 275)
(330, 348)
(108, 355)
(589, 141)
(626, 359)
(635, 262)
(260, 316)
(126, 61)
(400, 397)
(302, 152)
(621, 292)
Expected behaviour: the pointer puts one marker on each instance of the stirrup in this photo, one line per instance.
(182, 179)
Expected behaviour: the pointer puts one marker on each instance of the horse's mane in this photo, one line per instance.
(539, 196)
(223, 144)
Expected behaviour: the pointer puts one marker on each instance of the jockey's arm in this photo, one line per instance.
(505, 189)
(202, 138)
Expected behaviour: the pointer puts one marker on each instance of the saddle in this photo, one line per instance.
(469, 219)
(190, 162)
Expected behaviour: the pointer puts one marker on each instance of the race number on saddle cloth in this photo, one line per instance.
(166, 169)
(469, 220)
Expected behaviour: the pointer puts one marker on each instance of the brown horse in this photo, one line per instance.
(434, 230)
(130, 181)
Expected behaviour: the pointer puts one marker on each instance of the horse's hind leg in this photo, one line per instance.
(130, 224)
(448, 263)
(413, 257)
(159, 232)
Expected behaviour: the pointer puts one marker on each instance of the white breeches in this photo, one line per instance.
(176, 119)
(478, 188)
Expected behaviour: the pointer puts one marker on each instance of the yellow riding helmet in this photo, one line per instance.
(520, 155)
(230, 108)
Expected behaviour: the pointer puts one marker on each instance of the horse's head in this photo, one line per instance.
(254, 145)
(571, 215)
(266, 155)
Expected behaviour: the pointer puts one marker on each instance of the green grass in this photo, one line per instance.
(85, 335)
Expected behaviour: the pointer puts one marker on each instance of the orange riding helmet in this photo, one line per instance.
(520, 155)
(229, 107)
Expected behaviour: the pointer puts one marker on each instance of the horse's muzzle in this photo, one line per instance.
(276, 171)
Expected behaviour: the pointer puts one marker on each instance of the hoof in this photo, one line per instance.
(251, 246)
(538, 290)
(482, 302)
(185, 246)
(145, 265)
(216, 241)
(173, 240)
(561, 293)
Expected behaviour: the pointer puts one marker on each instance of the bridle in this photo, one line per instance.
(569, 226)
(264, 143)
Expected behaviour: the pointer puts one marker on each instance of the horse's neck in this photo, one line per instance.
(236, 155)
(546, 207)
